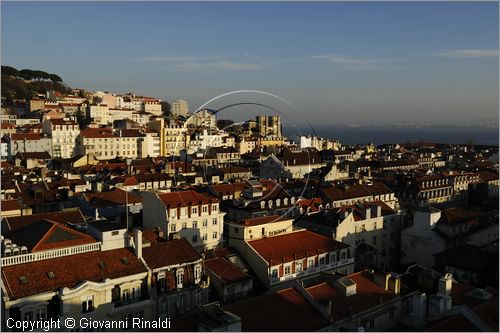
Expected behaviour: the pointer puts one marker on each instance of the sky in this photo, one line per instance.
(335, 62)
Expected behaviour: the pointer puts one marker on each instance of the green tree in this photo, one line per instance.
(7, 70)
(224, 123)
(81, 119)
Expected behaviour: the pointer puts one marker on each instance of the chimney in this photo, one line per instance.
(366, 212)
(382, 279)
(444, 285)
(138, 243)
(395, 284)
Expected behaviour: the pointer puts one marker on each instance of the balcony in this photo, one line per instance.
(121, 303)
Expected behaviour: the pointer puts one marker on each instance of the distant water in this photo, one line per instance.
(381, 135)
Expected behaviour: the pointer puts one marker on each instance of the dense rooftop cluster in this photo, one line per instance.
(124, 206)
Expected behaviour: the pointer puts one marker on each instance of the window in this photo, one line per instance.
(214, 221)
(88, 304)
(125, 295)
(372, 323)
(342, 255)
(288, 270)
(115, 233)
(235, 230)
(310, 263)
(161, 285)
(173, 213)
(195, 239)
(298, 267)
(322, 261)
(28, 316)
(180, 277)
(195, 224)
(173, 228)
(205, 209)
(205, 222)
(274, 273)
(332, 258)
(195, 210)
(214, 207)
(214, 235)
(40, 314)
(204, 237)
(184, 225)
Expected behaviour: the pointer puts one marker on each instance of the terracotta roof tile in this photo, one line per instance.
(67, 273)
(185, 198)
(295, 245)
(225, 270)
(285, 310)
(170, 253)
(61, 217)
(8, 205)
(48, 235)
(368, 295)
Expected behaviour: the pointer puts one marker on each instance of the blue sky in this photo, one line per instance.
(335, 62)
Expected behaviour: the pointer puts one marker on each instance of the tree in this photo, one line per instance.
(7, 70)
(166, 108)
(224, 123)
(82, 121)
(55, 78)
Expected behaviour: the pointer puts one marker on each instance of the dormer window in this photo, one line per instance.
(124, 260)
(180, 277)
(102, 265)
(51, 275)
(23, 280)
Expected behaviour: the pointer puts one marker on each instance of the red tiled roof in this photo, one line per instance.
(130, 181)
(62, 122)
(8, 205)
(352, 192)
(62, 217)
(225, 270)
(27, 136)
(115, 197)
(295, 245)
(97, 133)
(285, 310)
(48, 235)
(229, 188)
(234, 169)
(262, 220)
(487, 176)
(313, 203)
(69, 271)
(131, 133)
(457, 216)
(172, 252)
(368, 295)
(185, 198)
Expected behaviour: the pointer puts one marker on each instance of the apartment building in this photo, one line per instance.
(107, 143)
(189, 214)
(28, 143)
(291, 255)
(63, 133)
